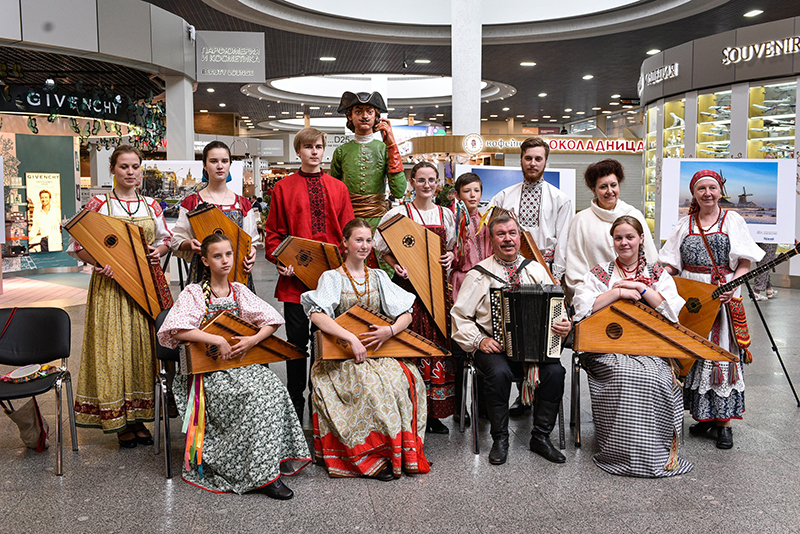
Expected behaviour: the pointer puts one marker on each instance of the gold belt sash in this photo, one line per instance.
(368, 206)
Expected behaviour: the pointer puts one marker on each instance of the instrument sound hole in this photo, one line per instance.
(212, 351)
(408, 241)
(693, 305)
(614, 330)
(304, 257)
(110, 241)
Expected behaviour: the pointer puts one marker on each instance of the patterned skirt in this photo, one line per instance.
(638, 413)
(251, 427)
(117, 373)
(439, 374)
(367, 415)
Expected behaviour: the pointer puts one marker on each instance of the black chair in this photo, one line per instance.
(38, 336)
(164, 355)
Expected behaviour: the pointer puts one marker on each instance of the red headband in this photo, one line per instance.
(699, 175)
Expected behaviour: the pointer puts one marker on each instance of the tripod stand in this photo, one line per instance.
(771, 340)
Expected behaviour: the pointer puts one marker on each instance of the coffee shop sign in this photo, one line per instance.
(598, 146)
(774, 48)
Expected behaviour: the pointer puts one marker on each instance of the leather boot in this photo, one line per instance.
(544, 419)
(517, 408)
(498, 418)
(701, 428)
(724, 437)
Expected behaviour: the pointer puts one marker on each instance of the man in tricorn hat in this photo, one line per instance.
(365, 164)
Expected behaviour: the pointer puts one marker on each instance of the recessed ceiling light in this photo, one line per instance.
(436, 106)
(245, 117)
(387, 109)
(432, 118)
(203, 111)
(534, 120)
(274, 129)
(285, 113)
(567, 110)
(222, 104)
(329, 113)
(440, 114)
(327, 58)
(613, 103)
(653, 51)
(580, 113)
(527, 64)
(520, 116)
(596, 109)
(492, 116)
(210, 89)
(422, 61)
(412, 114)
(410, 107)
(484, 120)
(313, 107)
(564, 116)
(553, 120)
(545, 116)
(588, 77)
(271, 117)
(627, 107)
(607, 112)
(753, 13)
(542, 95)
(506, 109)
(614, 96)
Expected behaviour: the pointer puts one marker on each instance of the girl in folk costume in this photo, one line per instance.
(241, 428)
(116, 378)
(713, 245)
(439, 373)
(636, 401)
(216, 172)
(369, 413)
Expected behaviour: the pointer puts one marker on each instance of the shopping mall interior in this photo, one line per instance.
(665, 87)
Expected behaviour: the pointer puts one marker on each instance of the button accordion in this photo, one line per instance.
(521, 320)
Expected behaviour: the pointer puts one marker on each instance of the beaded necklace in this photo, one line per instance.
(353, 282)
(125, 204)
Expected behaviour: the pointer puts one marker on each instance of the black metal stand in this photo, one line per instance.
(772, 340)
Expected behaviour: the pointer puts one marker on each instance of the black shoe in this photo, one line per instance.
(702, 428)
(129, 443)
(541, 445)
(436, 427)
(385, 474)
(517, 409)
(499, 453)
(457, 418)
(278, 490)
(724, 437)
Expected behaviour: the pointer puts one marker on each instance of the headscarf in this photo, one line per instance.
(704, 175)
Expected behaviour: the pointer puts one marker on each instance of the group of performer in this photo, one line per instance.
(370, 415)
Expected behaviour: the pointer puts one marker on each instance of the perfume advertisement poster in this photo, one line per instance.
(44, 212)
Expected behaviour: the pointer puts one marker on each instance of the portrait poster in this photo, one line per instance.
(496, 178)
(44, 212)
(762, 191)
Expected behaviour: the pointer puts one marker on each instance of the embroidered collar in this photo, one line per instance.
(310, 174)
(507, 264)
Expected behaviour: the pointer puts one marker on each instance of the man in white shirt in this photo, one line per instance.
(46, 230)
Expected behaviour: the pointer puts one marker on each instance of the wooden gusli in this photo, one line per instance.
(633, 328)
(405, 344)
(204, 357)
(208, 219)
(418, 249)
(122, 245)
(702, 300)
(309, 258)
(528, 247)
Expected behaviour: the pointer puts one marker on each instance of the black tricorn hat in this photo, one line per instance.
(374, 99)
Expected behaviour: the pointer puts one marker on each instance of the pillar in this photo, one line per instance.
(180, 118)
(466, 40)
(99, 161)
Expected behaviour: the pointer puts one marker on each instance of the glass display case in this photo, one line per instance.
(771, 120)
(651, 148)
(674, 128)
(16, 218)
(714, 125)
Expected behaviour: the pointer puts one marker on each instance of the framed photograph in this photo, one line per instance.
(495, 179)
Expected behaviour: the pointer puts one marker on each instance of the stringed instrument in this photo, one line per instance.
(528, 247)
(405, 344)
(702, 299)
(204, 358)
(208, 219)
(309, 258)
(634, 328)
(123, 246)
(418, 249)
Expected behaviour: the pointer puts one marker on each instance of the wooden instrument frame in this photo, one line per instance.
(123, 246)
(405, 344)
(403, 235)
(208, 219)
(198, 360)
(633, 328)
(309, 258)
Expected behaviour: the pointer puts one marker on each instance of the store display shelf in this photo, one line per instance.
(771, 139)
(776, 116)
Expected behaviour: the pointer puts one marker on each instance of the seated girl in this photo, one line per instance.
(251, 428)
(369, 413)
(636, 401)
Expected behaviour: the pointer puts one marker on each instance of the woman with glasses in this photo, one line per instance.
(439, 373)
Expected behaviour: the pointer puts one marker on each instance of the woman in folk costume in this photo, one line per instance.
(241, 428)
(117, 374)
(713, 245)
(589, 242)
(369, 413)
(439, 373)
(636, 400)
(216, 172)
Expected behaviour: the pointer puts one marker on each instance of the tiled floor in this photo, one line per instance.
(755, 487)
